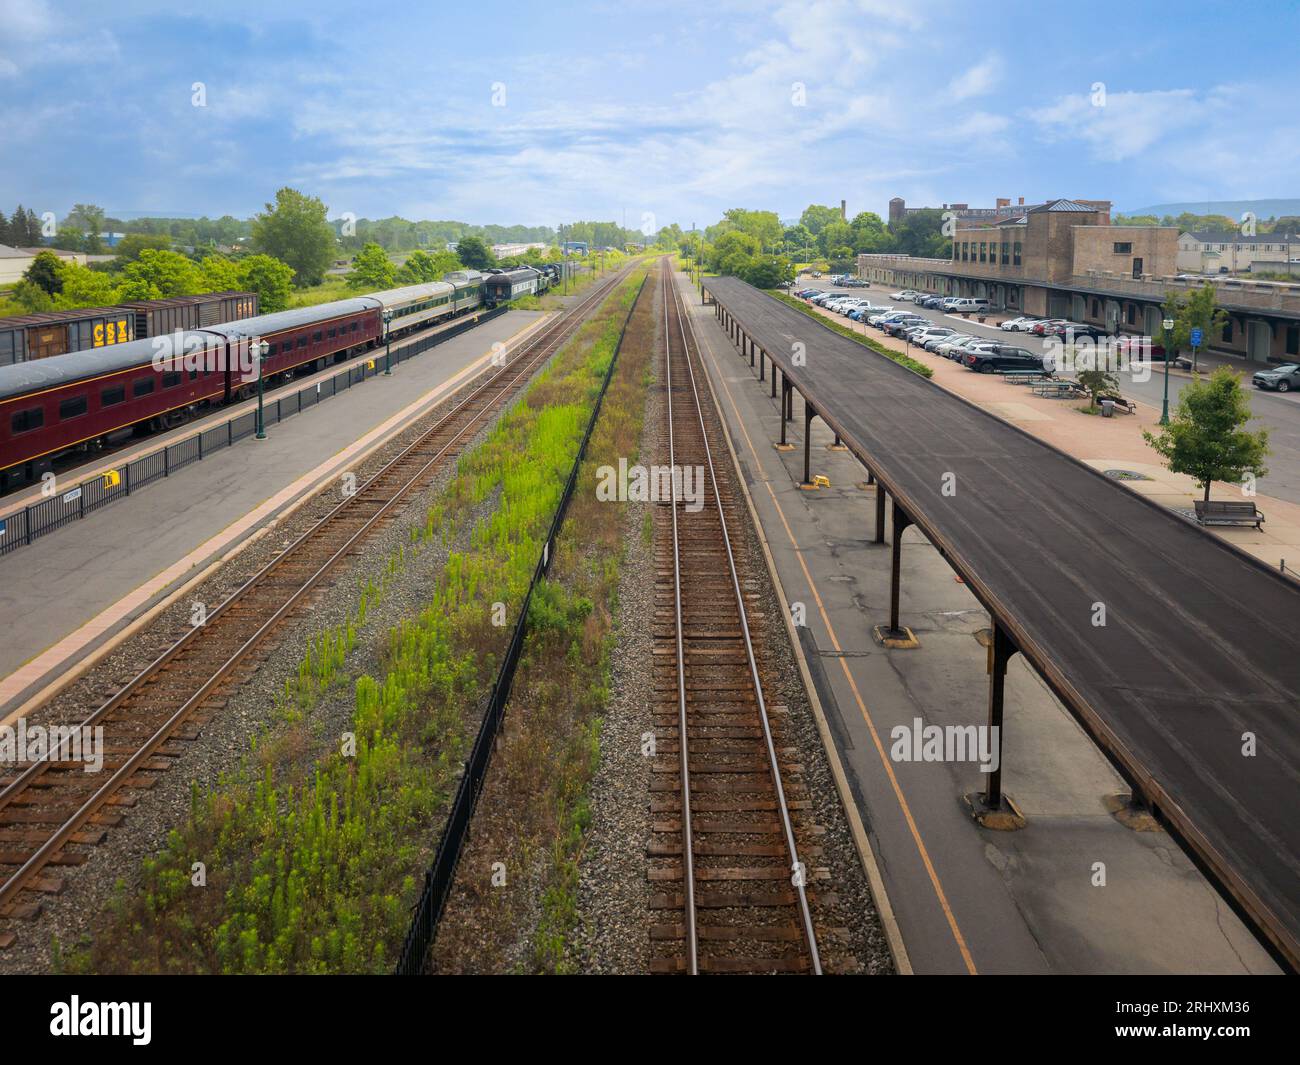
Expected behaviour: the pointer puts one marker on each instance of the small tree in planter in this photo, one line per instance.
(1097, 383)
(1206, 438)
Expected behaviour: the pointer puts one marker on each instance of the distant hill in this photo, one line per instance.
(1231, 208)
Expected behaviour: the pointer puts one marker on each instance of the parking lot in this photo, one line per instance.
(1279, 413)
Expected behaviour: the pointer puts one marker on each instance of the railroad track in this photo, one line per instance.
(51, 803)
(724, 834)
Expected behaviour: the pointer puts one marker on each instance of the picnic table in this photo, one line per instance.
(1025, 377)
(1053, 389)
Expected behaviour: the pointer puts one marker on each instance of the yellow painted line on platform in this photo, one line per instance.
(70, 649)
(924, 852)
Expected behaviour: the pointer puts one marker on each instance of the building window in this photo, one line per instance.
(1124, 247)
(1227, 331)
(1131, 316)
(1006, 254)
(984, 251)
(1094, 309)
(1293, 340)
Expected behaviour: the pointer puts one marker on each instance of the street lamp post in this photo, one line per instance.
(260, 348)
(1168, 324)
(388, 348)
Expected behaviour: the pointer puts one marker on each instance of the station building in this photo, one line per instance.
(1064, 259)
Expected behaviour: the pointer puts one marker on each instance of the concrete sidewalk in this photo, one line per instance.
(1075, 891)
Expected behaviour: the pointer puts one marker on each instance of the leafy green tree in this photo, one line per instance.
(921, 233)
(1097, 383)
(295, 231)
(45, 273)
(271, 279)
(220, 274)
(130, 246)
(870, 233)
(768, 271)
(815, 218)
(1206, 438)
(476, 255)
(88, 220)
(32, 298)
(158, 274)
(372, 269)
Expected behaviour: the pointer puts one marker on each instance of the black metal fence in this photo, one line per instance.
(41, 519)
(438, 879)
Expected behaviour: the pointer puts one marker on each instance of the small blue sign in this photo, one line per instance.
(1197, 336)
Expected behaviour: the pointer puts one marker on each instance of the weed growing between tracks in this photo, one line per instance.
(313, 864)
(843, 330)
(534, 812)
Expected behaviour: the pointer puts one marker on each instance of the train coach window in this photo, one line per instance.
(142, 387)
(302, 342)
(334, 332)
(171, 380)
(26, 420)
(72, 408)
(316, 337)
(355, 326)
(194, 375)
(110, 396)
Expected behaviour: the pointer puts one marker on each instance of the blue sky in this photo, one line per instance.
(650, 111)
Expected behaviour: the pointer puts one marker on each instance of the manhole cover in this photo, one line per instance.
(1126, 475)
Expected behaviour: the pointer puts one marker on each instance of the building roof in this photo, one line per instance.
(1233, 236)
(1064, 207)
(7, 252)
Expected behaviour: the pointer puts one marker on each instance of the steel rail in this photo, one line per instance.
(547, 342)
(688, 849)
(798, 870)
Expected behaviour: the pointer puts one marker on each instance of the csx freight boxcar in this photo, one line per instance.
(40, 336)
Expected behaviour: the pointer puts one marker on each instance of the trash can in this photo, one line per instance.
(1108, 408)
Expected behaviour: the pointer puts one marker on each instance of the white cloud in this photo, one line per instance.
(976, 81)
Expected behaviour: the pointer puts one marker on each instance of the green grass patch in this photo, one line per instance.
(312, 864)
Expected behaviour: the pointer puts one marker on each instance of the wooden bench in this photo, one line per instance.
(1228, 512)
(1126, 405)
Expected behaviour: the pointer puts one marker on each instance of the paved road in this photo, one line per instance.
(1194, 648)
(1280, 414)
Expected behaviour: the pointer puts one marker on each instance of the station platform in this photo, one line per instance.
(84, 586)
(1075, 890)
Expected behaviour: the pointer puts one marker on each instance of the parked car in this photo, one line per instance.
(957, 348)
(966, 305)
(1042, 326)
(1278, 378)
(866, 310)
(1074, 330)
(899, 326)
(1018, 325)
(927, 333)
(934, 343)
(881, 320)
(906, 294)
(822, 297)
(1002, 358)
